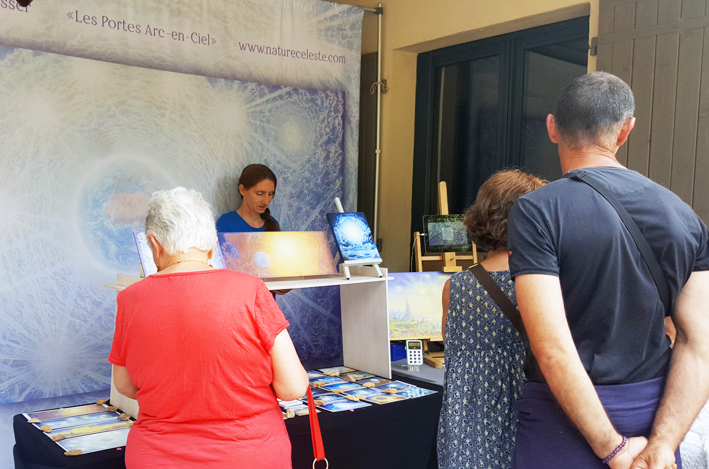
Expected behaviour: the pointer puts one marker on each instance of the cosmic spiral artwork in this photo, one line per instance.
(94, 118)
(354, 237)
(83, 145)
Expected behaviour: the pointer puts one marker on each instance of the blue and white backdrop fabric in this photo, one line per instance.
(103, 103)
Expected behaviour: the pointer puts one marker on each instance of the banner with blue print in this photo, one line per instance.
(104, 103)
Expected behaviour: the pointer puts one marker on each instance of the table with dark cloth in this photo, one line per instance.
(397, 435)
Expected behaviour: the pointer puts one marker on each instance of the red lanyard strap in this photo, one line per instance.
(318, 447)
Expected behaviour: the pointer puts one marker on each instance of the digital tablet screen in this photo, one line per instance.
(446, 233)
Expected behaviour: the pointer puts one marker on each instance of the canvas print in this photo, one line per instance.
(53, 414)
(445, 233)
(364, 393)
(412, 393)
(314, 375)
(97, 441)
(272, 254)
(288, 404)
(376, 380)
(99, 427)
(385, 399)
(80, 420)
(354, 237)
(339, 369)
(415, 310)
(356, 375)
(325, 381)
(342, 386)
(299, 410)
(145, 253)
(330, 398)
(341, 406)
(319, 391)
(398, 385)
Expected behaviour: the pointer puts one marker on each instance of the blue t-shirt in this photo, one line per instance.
(231, 222)
(615, 314)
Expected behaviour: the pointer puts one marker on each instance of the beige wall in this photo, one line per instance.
(413, 26)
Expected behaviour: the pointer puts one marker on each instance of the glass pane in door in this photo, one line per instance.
(547, 69)
(466, 128)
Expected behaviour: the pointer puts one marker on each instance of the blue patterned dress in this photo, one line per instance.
(484, 358)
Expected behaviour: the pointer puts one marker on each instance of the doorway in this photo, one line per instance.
(482, 107)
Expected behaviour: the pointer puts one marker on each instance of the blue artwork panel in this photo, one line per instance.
(353, 236)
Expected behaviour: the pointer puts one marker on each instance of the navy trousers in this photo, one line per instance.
(546, 438)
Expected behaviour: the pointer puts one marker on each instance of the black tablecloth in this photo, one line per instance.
(397, 435)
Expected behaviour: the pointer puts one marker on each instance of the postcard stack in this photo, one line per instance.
(83, 429)
(342, 388)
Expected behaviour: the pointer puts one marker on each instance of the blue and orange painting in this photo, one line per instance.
(272, 254)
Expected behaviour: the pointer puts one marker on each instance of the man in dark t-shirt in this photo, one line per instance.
(591, 308)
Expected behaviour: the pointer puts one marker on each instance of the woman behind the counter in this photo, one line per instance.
(257, 186)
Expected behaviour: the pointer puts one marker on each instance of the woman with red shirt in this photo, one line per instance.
(204, 351)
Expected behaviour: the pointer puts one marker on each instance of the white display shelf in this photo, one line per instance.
(123, 281)
(364, 314)
(321, 281)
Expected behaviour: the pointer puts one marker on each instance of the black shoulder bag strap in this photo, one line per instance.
(499, 297)
(645, 250)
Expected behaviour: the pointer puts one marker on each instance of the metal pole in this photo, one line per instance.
(378, 151)
(379, 11)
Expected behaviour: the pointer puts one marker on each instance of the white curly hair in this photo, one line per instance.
(180, 219)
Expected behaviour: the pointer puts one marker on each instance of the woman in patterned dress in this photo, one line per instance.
(484, 353)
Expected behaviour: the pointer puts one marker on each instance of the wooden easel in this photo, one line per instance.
(450, 264)
(434, 359)
(449, 259)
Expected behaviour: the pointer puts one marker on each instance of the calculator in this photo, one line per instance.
(414, 352)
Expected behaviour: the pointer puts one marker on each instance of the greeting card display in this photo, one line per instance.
(333, 394)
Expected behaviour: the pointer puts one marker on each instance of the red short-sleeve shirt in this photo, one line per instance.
(198, 344)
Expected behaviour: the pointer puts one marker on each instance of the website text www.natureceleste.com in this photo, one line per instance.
(293, 53)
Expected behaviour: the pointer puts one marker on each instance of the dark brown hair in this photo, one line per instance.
(486, 219)
(252, 175)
